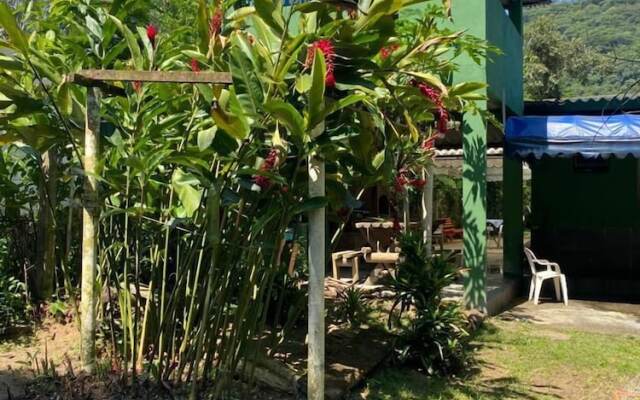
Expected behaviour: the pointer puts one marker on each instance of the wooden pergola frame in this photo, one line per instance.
(98, 80)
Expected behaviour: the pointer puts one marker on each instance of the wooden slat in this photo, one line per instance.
(92, 77)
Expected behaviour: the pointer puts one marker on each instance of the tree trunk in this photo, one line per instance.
(90, 214)
(46, 244)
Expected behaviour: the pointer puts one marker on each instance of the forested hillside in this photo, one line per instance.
(610, 27)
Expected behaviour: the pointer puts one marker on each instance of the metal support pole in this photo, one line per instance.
(90, 213)
(317, 249)
(427, 209)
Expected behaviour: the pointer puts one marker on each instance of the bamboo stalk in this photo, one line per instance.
(90, 214)
(213, 239)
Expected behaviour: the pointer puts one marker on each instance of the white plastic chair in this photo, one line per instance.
(552, 271)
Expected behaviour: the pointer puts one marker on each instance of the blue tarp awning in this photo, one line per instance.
(568, 135)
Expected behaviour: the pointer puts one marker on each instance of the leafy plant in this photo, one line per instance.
(352, 306)
(58, 310)
(434, 337)
(13, 303)
(199, 183)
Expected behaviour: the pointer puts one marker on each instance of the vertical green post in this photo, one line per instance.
(515, 14)
(512, 213)
(474, 203)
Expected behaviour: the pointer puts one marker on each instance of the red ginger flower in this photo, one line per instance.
(386, 51)
(215, 25)
(152, 32)
(328, 51)
(400, 180)
(137, 86)
(418, 183)
(269, 163)
(194, 65)
(436, 98)
(428, 143)
(443, 120)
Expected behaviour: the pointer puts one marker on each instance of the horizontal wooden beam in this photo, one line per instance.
(93, 77)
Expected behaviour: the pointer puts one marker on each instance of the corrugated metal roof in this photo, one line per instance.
(491, 151)
(597, 105)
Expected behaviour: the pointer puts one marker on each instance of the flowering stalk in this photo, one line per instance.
(152, 32)
(269, 164)
(328, 51)
(215, 25)
(386, 51)
(195, 67)
(436, 98)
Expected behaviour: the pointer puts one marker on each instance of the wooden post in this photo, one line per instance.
(317, 249)
(90, 213)
(427, 209)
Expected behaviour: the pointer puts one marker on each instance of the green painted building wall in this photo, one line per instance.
(589, 222)
(488, 20)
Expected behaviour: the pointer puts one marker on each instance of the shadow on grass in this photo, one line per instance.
(481, 380)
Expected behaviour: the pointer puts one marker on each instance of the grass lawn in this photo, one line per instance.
(520, 360)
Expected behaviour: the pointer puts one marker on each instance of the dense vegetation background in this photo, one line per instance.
(611, 28)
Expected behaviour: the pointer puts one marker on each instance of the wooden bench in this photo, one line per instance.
(348, 258)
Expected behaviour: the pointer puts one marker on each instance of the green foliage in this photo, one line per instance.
(198, 184)
(448, 198)
(58, 310)
(434, 338)
(13, 303)
(581, 48)
(352, 306)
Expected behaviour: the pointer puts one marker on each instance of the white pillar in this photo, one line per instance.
(90, 213)
(427, 208)
(316, 253)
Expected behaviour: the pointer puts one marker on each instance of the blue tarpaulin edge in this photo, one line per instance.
(569, 135)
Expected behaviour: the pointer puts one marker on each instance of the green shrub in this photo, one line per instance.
(351, 306)
(13, 304)
(432, 331)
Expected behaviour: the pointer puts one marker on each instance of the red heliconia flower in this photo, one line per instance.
(443, 120)
(330, 80)
(137, 86)
(152, 32)
(418, 183)
(428, 143)
(386, 51)
(215, 25)
(327, 49)
(195, 67)
(262, 181)
(270, 162)
(400, 181)
(436, 98)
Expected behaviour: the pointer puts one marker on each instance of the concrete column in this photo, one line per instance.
(474, 202)
(90, 215)
(316, 254)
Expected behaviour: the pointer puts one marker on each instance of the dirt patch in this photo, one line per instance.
(52, 345)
